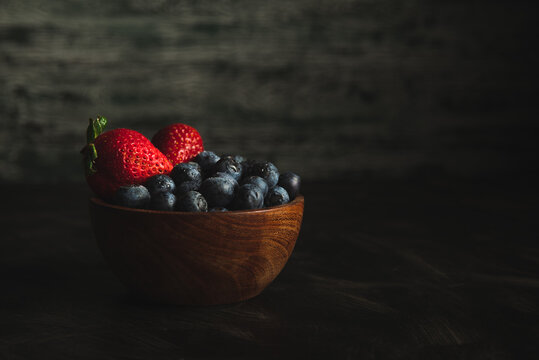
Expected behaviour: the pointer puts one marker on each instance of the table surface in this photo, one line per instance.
(382, 269)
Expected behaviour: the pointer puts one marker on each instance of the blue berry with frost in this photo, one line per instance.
(267, 171)
(192, 201)
(160, 184)
(206, 160)
(219, 191)
(230, 166)
(249, 196)
(291, 183)
(163, 201)
(276, 196)
(258, 181)
(134, 196)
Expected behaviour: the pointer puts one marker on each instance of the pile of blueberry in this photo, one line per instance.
(213, 183)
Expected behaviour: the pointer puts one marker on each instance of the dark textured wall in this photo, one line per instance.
(326, 88)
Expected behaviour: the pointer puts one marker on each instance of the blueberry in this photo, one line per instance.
(192, 201)
(238, 158)
(196, 165)
(258, 181)
(291, 183)
(218, 191)
(266, 171)
(134, 196)
(276, 196)
(160, 184)
(206, 160)
(186, 172)
(249, 196)
(218, 209)
(187, 186)
(228, 165)
(163, 201)
(228, 176)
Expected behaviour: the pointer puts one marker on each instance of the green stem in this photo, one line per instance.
(95, 128)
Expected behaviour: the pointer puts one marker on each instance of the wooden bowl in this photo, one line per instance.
(196, 258)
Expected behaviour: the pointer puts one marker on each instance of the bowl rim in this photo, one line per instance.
(97, 201)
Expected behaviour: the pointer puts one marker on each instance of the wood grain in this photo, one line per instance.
(381, 270)
(197, 258)
(343, 87)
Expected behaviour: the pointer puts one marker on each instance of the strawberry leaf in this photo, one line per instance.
(95, 128)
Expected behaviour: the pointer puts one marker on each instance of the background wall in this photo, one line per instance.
(325, 88)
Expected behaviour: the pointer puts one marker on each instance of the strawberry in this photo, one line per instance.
(179, 142)
(119, 157)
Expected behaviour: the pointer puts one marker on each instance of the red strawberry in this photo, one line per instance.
(119, 157)
(179, 142)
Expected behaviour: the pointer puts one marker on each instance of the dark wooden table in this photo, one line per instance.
(382, 270)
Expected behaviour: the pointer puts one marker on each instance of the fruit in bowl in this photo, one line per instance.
(187, 226)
